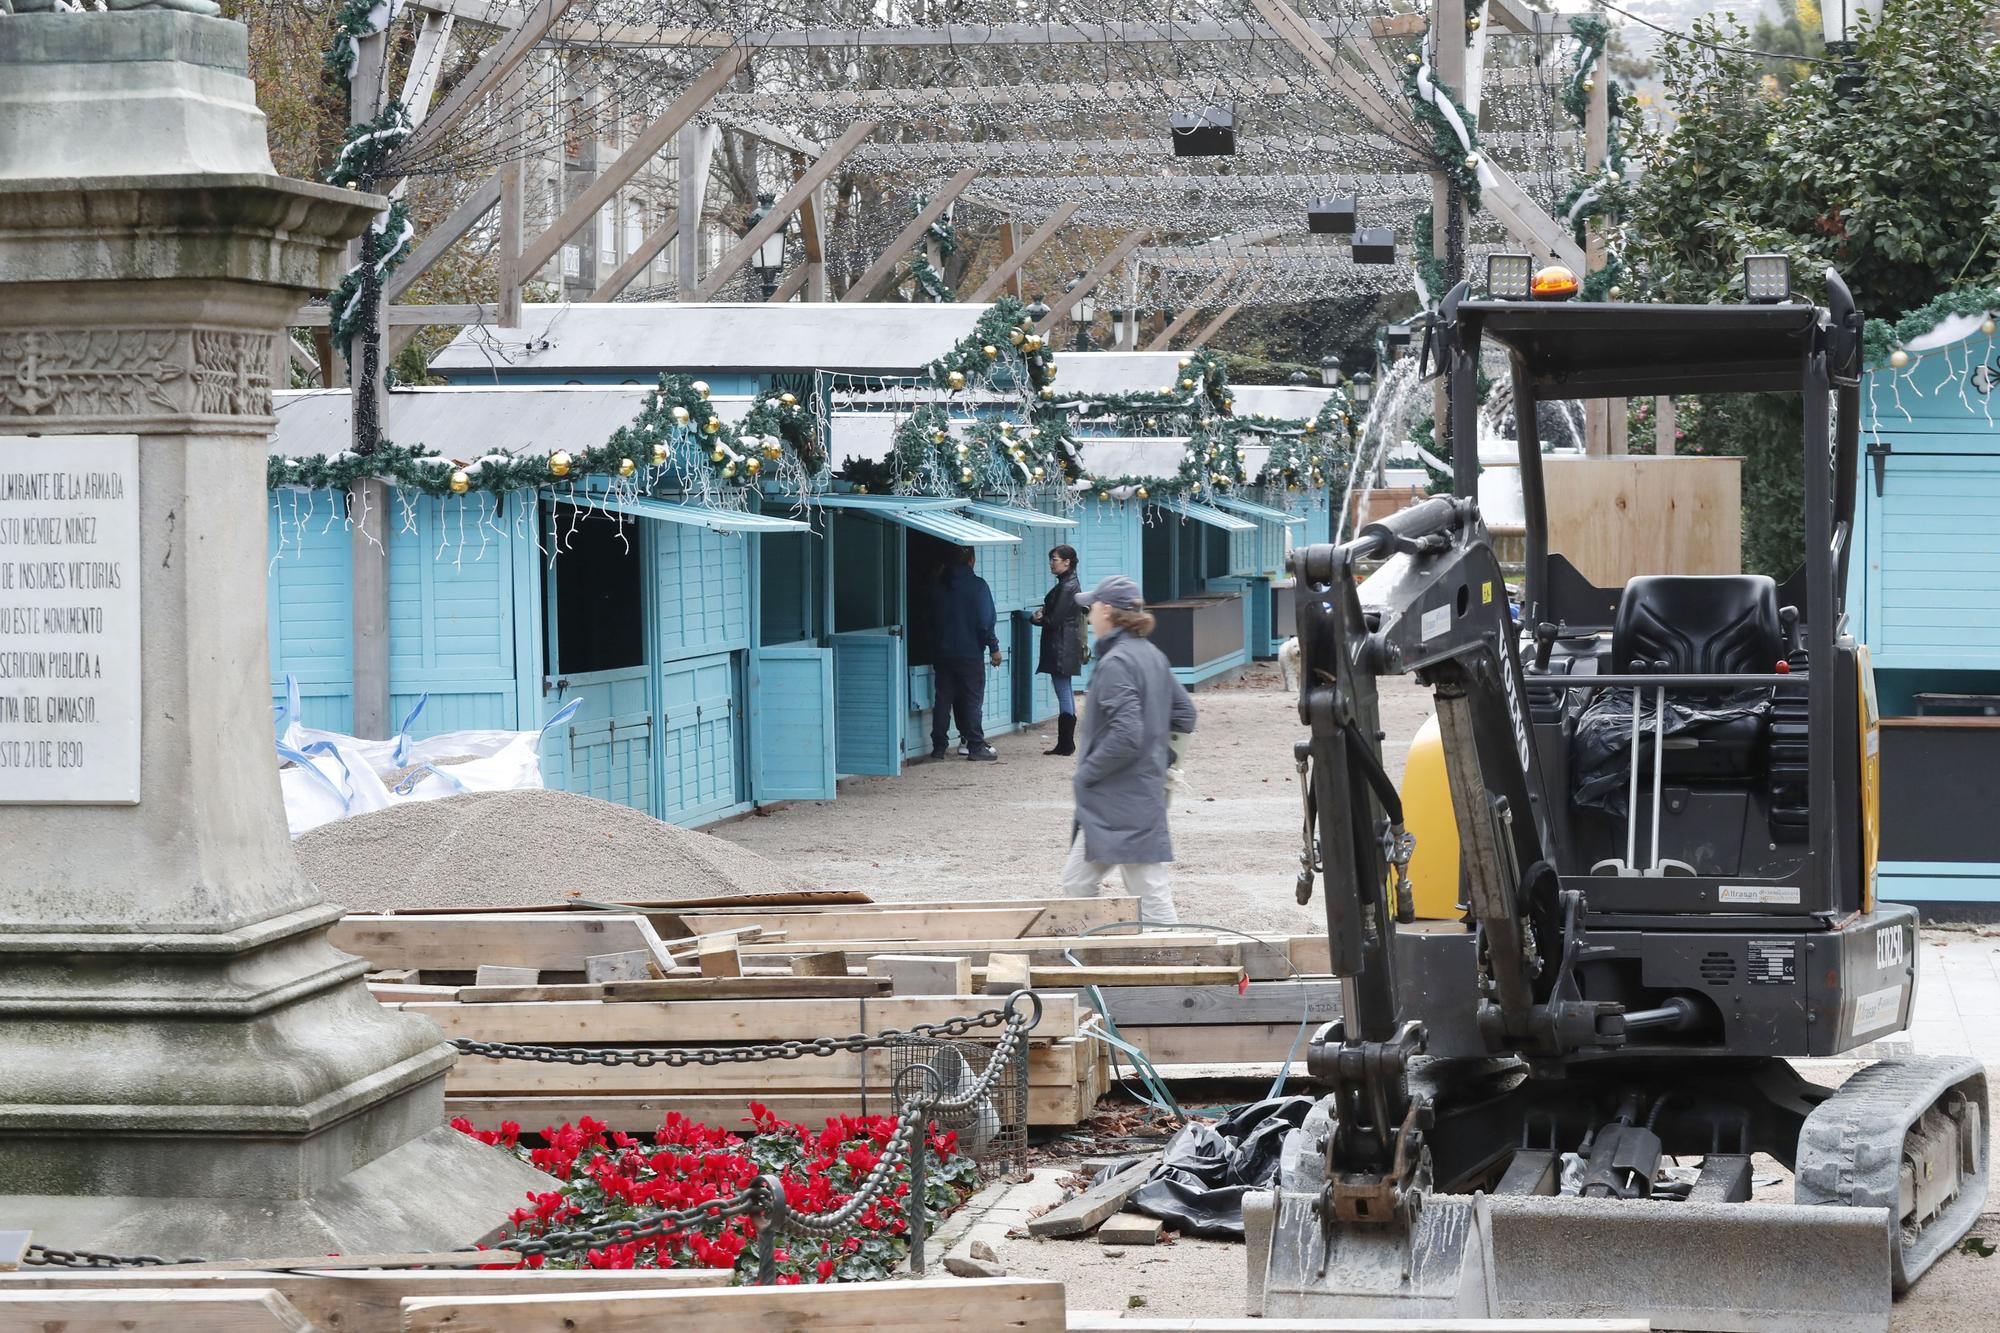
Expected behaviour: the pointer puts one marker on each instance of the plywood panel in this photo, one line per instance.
(1618, 518)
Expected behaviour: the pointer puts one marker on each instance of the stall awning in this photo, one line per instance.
(1027, 518)
(674, 511)
(1262, 513)
(1202, 513)
(944, 519)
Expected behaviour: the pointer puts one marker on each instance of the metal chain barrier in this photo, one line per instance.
(920, 1097)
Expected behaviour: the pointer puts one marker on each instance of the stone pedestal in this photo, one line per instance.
(189, 1067)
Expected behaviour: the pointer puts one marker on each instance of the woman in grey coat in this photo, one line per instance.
(1134, 706)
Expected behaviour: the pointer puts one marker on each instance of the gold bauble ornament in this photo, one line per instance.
(679, 414)
(1052, 370)
(1293, 488)
(626, 467)
(1186, 362)
(1039, 474)
(1413, 59)
(461, 481)
(559, 463)
(861, 490)
(719, 455)
(1104, 495)
(1986, 326)
(1152, 423)
(1590, 85)
(1615, 293)
(752, 466)
(1312, 427)
(939, 437)
(963, 448)
(1899, 358)
(991, 351)
(1141, 492)
(1016, 337)
(729, 471)
(712, 425)
(700, 387)
(1228, 403)
(773, 450)
(956, 379)
(965, 475)
(789, 400)
(1472, 23)
(659, 455)
(1187, 384)
(1472, 161)
(1006, 428)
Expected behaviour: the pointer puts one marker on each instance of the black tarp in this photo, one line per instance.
(1204, 1171)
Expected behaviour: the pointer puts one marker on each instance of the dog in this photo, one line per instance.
(1288, 662)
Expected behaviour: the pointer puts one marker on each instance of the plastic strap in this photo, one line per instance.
(402, 750)
(304, 761)
(417, 774)
(562, 715)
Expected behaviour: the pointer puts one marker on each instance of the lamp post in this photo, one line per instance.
(770, 256)
(1364, 388)
(1296, 378)
(1839, 20)
(1329, 370)
(1119, 318)
(1083, 311)
(1038, 309)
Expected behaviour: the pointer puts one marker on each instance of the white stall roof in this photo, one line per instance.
(647, 337)
(474, 420)
(1301, 401)
(1116, 372)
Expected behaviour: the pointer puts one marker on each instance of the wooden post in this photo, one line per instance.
(1093, 276)
(695, 148)
(508, 262)
(368, 500)
(870, 282)
(1447, 42)
(827, 163)
(1665, 440)
(1011, 265)
(1604, 419)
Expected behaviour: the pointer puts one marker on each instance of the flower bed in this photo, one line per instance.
(610, 1177)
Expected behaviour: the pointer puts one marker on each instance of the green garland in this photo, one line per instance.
(1475, 15)
(677, 429)
(1457, 161)
(1003, 337)
(350, 25)
(929, 281)
(1423, 245)
(365, 147)
(1591, 33)
(344, 302)
(1308, 452)
(1880, 338)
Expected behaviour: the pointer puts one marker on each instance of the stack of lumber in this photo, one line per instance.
(727, 974)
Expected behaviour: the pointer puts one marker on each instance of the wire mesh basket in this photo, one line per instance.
(993, 1129)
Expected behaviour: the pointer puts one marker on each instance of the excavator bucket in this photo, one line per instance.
(1731, 1267)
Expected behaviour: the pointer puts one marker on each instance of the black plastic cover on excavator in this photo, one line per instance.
(1638, 351)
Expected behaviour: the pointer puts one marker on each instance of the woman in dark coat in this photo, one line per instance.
(1061, 658)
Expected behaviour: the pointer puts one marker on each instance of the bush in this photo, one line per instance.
(611, 1177)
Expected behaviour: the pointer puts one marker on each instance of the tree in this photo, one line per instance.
(1898, 189)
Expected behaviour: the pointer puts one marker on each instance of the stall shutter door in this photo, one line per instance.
(703, 590)
(451, 614)
(310, 593)
(698, 738)
(791, 695)
(610, 740)
(996, 713)
(868, 692)
(1933, 557)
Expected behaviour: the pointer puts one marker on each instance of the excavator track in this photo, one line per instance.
(1907, 1134)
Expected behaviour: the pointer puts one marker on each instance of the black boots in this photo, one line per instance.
(1065, 734)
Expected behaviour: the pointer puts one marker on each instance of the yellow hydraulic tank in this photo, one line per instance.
(1427, 815)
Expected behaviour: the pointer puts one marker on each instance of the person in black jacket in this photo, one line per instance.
(962, 619)
(1061, 658)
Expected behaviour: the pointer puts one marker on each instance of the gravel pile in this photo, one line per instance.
(524, 848)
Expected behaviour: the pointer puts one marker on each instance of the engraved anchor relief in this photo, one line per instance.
(134, 373)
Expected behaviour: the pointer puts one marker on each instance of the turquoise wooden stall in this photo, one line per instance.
(1924, 594)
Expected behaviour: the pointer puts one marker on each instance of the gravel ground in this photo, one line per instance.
(955, 829)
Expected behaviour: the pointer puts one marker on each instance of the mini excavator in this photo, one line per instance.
(1571, 1093)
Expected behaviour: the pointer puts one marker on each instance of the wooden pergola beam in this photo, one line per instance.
(791, 285)
(644, 149)
(884, 267)
(443, 236)
(635, 263)
(1011, 265)
(1095, 274)
(1214, 288)
(811, 179)
(524, 34)
(315, 316)
(1227, 313)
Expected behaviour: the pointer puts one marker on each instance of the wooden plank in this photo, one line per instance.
(842, 898)
(1011, 265)
(1136, 976)
(915, 923)
(923, 974)
(1096, 1321)
(1215, 1044)
(1048, 1105)
(1617, 518)
(1005, 973)
(635, 263)
(679, 987)
(870, 282)
(1050, 1064)
(632, 965)
(1273, 1002)
(252, 1310)
(987, 1305)
(1048, 951)
(1129, 1229)
(682, 1022)
(364, 1301)
(13, 1249)
(719, 957)
(1092, 276)
(1095, 1204)
(402, 994)
(832, 963)
(493, 974)
(553, 943)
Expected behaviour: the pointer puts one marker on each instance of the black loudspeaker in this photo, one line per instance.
(1375, 245)
(1331, 217)
(1209, 132)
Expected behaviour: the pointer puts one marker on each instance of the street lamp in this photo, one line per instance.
(1297, 378)
(1839, 20)
(1121, 319)
(1364, 388)
(770, 255)
(1038, 309)
(1329, 370)
(1082, 310)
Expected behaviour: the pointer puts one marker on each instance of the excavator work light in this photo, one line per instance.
(1553, 283)
(1767, 279)
(1508, 276)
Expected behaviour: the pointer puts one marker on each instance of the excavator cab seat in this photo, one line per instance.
(1715, 624)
